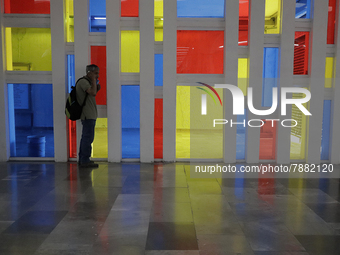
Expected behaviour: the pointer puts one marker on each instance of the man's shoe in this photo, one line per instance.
(88, 165)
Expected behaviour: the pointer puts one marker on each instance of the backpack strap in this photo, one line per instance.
(84, 102)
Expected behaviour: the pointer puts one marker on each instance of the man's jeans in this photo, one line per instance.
(87, 138)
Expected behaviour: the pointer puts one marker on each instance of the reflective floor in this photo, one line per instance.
(56, 208)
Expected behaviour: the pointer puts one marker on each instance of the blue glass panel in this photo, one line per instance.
(200, 8)
(130, 122)
(97, 16)
(31, 120)
(302, 9)
(326, 128)
(241, 137)
(158, 69)
(70, 72)
(270, 73)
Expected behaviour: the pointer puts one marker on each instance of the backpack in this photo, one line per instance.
(73, 109)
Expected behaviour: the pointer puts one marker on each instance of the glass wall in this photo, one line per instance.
(326, 130)
(301, 53)
(31, 120)
(130, 48)
(243, 22)
(272, 22)
(28, 49)
(97, 16)
(200, 8)
(200, 51)
(130, 121)
(27, 6)
(158, 128)
(302, 9)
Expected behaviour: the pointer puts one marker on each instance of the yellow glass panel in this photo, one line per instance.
(130, 51)
(158, 20)
(183, 122)
(243, 75)
(329, 72)
(9, 59)
(206, 141)
(29, 49)
(298, 133)
(69, 20)
(100, 143)
(272, 17)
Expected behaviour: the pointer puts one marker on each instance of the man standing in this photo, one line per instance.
(89, 115)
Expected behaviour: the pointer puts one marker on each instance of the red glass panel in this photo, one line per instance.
(158, 131)
(268, 140)
(72, 136)
(27, 6)
(98, 57)
(200, 51)
(331, 21)
(243, 22)
(301, 48)
(130, 8)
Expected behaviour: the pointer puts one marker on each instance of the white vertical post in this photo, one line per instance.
(58, 80)
(169, 80)
(147, 83)
(81, 45)
(114, 117)
(335, 114)
(231, 17)
(317, 80)
(4, 124)
(285, 75)
(255, 68)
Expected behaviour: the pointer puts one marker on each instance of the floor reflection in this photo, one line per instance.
(56, 208)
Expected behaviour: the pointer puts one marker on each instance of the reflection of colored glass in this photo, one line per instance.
(98, 57)
(100, 143)
(298, 133)
(130, 122)
(329, 72)
(27, 6)
(30, 108)
(158, 20)
(158, 130)
(268, 140)
(183, 122)
(270, 71)
(130, 51)
(326, 129)
(301, 48)
(331, 21)
(302, 9)
(200, 51)
(272, 17)
(130, 8)
(69, 20)
(243, 22)
(200, 8)
(28, 49)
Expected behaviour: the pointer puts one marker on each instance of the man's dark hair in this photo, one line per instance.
(91, 68)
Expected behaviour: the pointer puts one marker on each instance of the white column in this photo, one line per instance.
(4, 124)
(335, 115)
(231, 74)
(81, 45)
(169, 80)
(59, 80)
(147, 83)
(114, 118)
(285, 76)
(317, 79)
(255, 68)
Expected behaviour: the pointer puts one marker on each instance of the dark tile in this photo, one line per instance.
(329, 212)
(20, 243)
(40, 222)
(320, 245)
(171, 236)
